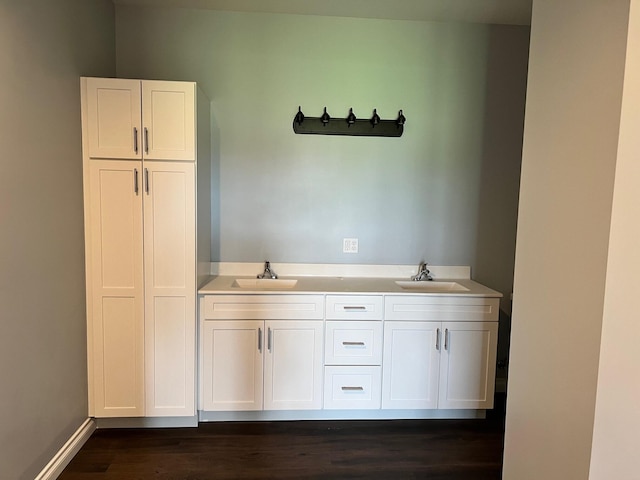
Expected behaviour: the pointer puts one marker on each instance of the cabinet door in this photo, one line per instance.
(467, 375)
(114, 118)
(116, 296)
(293, 365)
(170, 290)
(168, 118)
(410, 369)
(232, 365)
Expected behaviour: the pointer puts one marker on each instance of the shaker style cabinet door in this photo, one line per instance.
(114, 127)
(293, 365)
(117, 288)
(411, 365)
(170, 305)
(468, 365)
(232, 356)
(168, 118)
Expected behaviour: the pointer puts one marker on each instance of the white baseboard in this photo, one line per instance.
(60, 460)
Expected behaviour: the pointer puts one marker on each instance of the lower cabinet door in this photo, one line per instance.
(293, 365)
(352, 387)
(468, 365)
(232, 365)
(170, 289)
(116, 299)
(411, 362)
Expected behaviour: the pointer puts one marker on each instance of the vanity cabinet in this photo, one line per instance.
(261, 352)
(145, 234)
(439, 352)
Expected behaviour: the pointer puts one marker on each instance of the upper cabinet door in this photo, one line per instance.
(113, 118)
(168, 117)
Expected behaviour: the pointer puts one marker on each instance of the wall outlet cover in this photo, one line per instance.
(349, 245)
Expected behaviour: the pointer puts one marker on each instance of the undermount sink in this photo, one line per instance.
(431, 286)
(264, 283)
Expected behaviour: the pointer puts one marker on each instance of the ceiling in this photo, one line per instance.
(510, 12)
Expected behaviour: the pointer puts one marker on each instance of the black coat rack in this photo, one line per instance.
(371, 127)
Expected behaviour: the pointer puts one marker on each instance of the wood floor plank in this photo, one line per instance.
(396, 449)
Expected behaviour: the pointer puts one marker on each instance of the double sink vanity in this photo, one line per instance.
(346, 343)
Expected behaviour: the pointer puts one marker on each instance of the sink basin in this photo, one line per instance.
(264, 283)
(433, 286)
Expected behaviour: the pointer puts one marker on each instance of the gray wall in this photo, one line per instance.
(44, 47)
(445, 192)
(570, 151)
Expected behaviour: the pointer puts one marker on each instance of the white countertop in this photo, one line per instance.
(224, 284)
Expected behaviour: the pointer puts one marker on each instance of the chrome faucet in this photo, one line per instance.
(423, 273)
(268, 273)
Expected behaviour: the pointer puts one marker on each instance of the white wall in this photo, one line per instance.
(445, 192)
(617, 415)
(44, 47)
(572, 121)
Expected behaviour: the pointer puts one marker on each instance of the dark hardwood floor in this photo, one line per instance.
(398, 449)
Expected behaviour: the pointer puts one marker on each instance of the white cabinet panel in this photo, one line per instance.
(441, 308)
(353, 387)
(293, 365)
(113, 118)
(119, 371)
(354, 307)
(168, 116)
(263, 307)
(411, 365)
(467, 378)
(115, 233)
(232, 370)
(353, 343)
(170, 303)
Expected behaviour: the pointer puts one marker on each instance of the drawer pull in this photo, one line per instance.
(352, 389)
(353, 344)
(354, 307)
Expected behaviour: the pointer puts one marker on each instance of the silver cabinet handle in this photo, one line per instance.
(353, 344)
(437, 339)
(146, 140)
(135, 139)
(146, 180)
(135, 180)
(358, 307)
(352, 389)
(269, 338)
(446, 338)
(260, 340)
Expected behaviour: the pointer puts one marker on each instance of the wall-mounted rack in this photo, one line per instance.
(350, 125)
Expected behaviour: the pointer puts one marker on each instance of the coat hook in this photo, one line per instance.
(299, 117)
(325, 117)
(401, 119)
(351, 118)
(375, 120)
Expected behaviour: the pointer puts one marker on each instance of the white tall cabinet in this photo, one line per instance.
(146, 157)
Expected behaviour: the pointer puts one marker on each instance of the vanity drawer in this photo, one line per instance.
(352, 387)
(263, 307)
(354, 307)
(353, 343)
